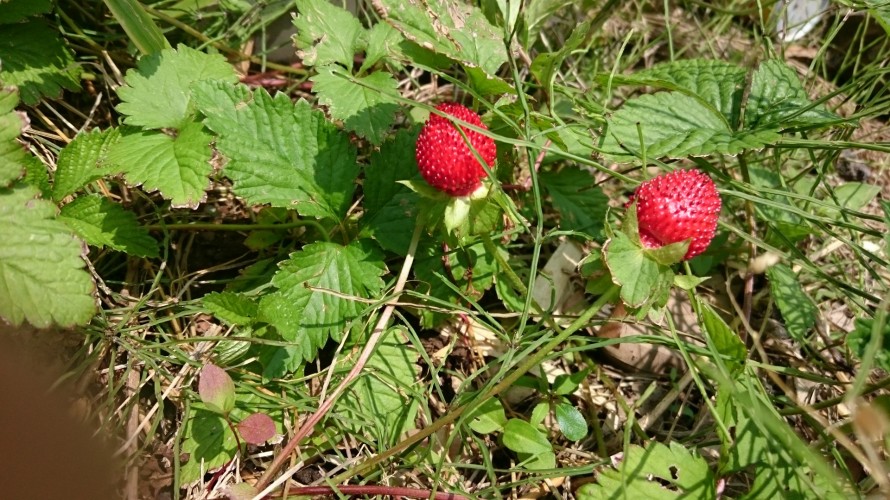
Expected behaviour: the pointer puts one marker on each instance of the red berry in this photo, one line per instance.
(443, 157)
(678, 206)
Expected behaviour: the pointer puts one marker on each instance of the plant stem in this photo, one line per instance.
(376, 334)
(526, 365)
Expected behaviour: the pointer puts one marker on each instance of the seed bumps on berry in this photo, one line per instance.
(675, 207)
(445, 160)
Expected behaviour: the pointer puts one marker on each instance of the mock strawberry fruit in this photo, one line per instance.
(675, 207)
(443, 157)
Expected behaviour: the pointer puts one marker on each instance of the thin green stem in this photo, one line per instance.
(520, 370)
(309, 424)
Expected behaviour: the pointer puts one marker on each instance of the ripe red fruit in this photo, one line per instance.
(443, 157)
(677, 206)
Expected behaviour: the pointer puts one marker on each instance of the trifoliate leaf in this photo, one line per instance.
(366, 105)
(581, 204)
(656, 472)
(14, 11)
(383, 41)
(455, 29)
(391, 207)
(675, 125)
(382, 401)
(40, 264)
(101, 222)
(327, 34)
(315, 285)
(798, 310)
(777, 100)
(177, 166)
(35, 60)
(281, 153)
(719, 84)
(12, 154)
(233, 308)
(157, 94)
(82, 161)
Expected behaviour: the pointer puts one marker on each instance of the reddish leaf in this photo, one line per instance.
(217, 390)
(257, 428)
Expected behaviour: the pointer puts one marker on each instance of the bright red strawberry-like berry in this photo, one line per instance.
(677, 206)
(443, 157)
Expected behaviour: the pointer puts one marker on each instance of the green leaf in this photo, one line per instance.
(37, 176)
(656, 472)
(641, 278)
(725, 341)
(488, 417)
(532, 446)
(455, 29)
(41, 261)
(571, 422)
(101, 222)
(232, 308)
(717, 83)
(383, 40)
(521, 436)
(12, 154)
(217, 389)
(880, 9)
(327, 34)
(13, 11)
(177, 166)
(36, 61)
(777, 99)
(581, 204)
(675, 125)
(859, 339)
(138, 25)
(391, 207)
(366, 105)
(568, 383)
(469, 272)
(282, 153)
(158, 91)
(546, 64)
(382, 400)
(855, 195)
(796, 307)
(305, 310)
(207, 441)
(487, 85)
(82, 161)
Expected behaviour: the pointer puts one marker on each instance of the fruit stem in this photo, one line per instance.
(520, 370)
(367, 351)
